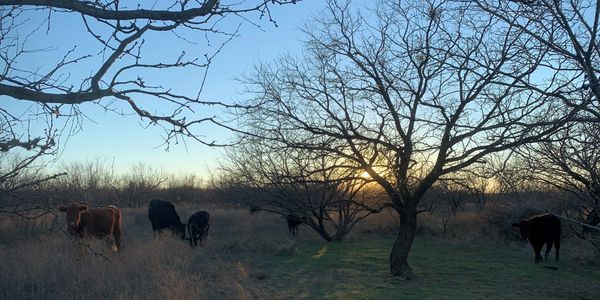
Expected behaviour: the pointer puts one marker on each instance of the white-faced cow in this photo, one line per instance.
(162, 215)
(101, 222)
(540, 230)
(198, 225)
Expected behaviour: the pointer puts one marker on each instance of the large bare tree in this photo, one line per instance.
(58, 57)
(116, 43)
(408, 92)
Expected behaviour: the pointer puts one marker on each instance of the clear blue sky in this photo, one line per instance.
(123, 138)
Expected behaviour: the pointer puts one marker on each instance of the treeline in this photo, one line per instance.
(98, 183)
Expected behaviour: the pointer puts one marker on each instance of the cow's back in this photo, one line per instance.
(162, 214)
(100, 221)
(545, 227)
(199, 218)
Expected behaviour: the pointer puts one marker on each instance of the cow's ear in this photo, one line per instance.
(516, 225)
(62, 208)
(83, 207)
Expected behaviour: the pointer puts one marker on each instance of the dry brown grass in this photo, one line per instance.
(39, 263)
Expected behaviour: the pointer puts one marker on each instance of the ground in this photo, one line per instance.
(253, 257)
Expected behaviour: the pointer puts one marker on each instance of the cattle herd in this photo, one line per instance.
(104, 222)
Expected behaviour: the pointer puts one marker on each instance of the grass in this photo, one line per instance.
(253, 257)
(444, 269)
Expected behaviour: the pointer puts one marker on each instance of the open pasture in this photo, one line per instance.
(253, 257)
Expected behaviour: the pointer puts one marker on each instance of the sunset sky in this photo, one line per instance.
(123, 139)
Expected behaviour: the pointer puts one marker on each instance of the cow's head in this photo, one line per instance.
(73, 212)
(524, 227)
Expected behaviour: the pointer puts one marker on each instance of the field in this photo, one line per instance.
(253, 257)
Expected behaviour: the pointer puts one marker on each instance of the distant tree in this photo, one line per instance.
(141, 184)
(291, 181)
(408, 94)
(92, 181)
(448, 198)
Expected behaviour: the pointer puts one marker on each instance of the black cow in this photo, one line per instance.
(198, 227)
(539, 230)
(293, 223)
(162, 215)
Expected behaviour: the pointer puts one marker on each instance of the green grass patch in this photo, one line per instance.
(444, 270)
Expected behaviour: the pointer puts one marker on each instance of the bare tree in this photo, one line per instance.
(568, 30)
(112, 44)
(570, 161)
(305, 184)
(21, 161)
(22, 166)
(410, 93)
(57, 56)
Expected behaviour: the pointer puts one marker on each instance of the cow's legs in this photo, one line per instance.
(548, 248)
(203, 235)
(117, 230)
(191, 233)
(537, 249)
(117, 238)
(110, 243)
(556, 248)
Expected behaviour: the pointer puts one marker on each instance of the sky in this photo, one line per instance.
(125, 139)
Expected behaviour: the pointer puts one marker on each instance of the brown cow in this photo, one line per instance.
(100, 222)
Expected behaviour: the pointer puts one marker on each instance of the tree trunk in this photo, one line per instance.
(399, 255)
(324, 234)
(320, 229)
(340, 234)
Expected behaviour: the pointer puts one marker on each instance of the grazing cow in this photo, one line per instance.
(254, 209)
(162, 215)
(293, 223)
(539, 230)
(198, 226)
(99, 222)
